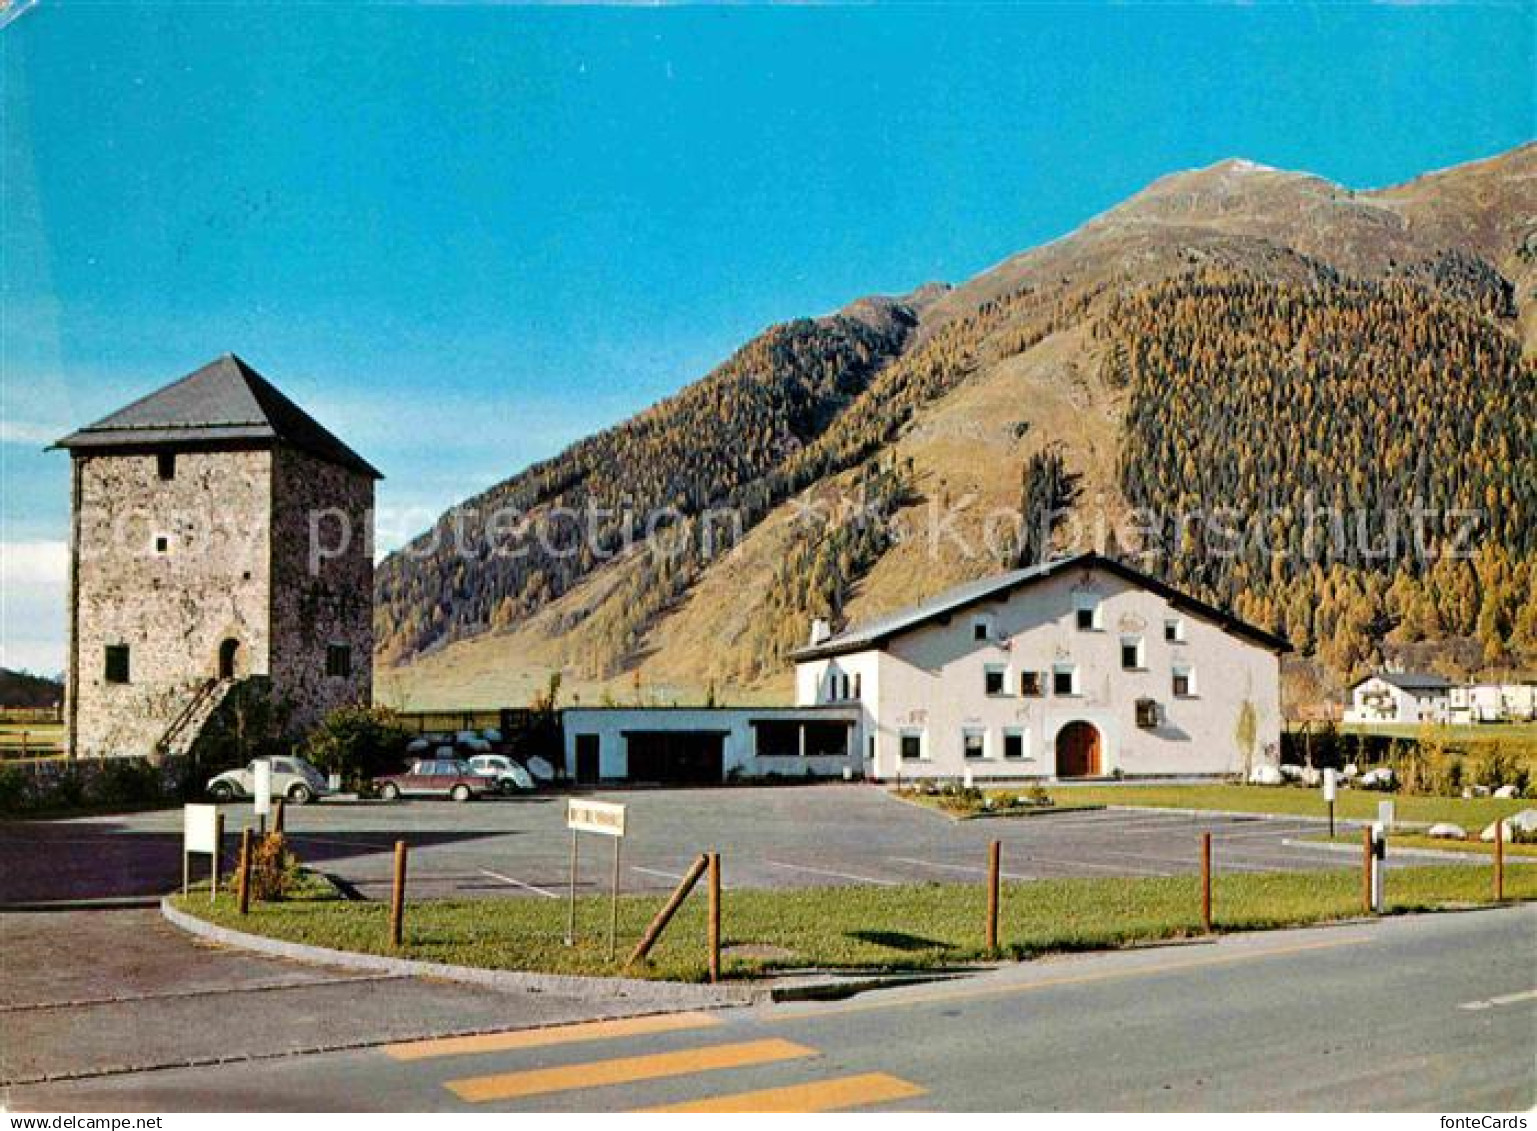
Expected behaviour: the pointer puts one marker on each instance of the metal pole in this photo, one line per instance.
(1206, 882)
(571, 914)
(994, 852)
(1499, 860)
(398, 896)
(244, 876)
(613, 907)
(715, 916)
(1366, 869)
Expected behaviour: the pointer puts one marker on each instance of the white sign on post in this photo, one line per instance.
(1331, 785)
(1385, 814)
(261, 786)
(200, 829)
(603, 817)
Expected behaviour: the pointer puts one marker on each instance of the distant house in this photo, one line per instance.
(1400, 697)
(1494, 703)
(1079, 667)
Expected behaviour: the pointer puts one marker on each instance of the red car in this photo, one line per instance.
(436, 778)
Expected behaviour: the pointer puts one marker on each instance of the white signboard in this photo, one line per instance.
(603, 817)
(1385, 814)
(200, 829)
(1331, 785)
(261, 787)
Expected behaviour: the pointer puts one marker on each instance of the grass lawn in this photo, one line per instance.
(1472, 814)
(853, 928)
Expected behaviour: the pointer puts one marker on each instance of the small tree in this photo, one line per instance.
(359, 741)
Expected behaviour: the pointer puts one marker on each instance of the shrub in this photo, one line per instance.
(15, 796)
(126, 782)
(274, 870)
(359, 741)
(1496, 765)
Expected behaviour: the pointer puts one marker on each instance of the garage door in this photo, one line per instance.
(677, 757)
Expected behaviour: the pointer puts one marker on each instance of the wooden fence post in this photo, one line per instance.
(714, 930)
(1499, 860)
(244, 878)
(277, 815)
(994, 854)
(1206, 882)
(675, 901)
(398, 896)
(218, 847)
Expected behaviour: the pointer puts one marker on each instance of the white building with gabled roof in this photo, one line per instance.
(1400, 697)
(1081, 667)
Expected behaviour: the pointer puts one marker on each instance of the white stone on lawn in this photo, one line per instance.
(1445, 830)
(1526, 821)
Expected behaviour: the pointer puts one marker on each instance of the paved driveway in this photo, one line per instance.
(769, 837)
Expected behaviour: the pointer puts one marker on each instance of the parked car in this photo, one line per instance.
(507, 774)
(440, 777)
(292, 778)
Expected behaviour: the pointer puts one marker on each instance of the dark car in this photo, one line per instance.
(444, 777)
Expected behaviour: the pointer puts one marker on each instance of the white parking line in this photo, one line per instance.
(724, 886)
(1031, 857)
(518, 883)
(656, 872)
(955, 867)
(829, 872)
(1503, 999)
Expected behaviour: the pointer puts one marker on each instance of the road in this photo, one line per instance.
(771, 837)
(1433, 1013)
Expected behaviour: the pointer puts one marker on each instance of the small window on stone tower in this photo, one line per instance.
(339, 660)
(117, 663)
(165, 463)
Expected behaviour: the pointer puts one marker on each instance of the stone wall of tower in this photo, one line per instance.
(322, 584)
(172, 568)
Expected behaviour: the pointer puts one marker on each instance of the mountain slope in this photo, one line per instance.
(929, 410)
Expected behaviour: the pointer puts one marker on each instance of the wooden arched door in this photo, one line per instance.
(1078, 751)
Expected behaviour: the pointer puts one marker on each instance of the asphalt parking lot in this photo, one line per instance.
(769, 837)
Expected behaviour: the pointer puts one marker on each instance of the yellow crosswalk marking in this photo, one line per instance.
(626, 1070)
(825, 1095)
(554, 1035)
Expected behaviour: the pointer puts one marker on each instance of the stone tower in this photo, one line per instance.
(220, 537)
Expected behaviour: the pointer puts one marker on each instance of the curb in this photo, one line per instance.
(666, 995)
(106, 903)
(1450, 855)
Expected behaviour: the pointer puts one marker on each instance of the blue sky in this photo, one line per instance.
(465, 236)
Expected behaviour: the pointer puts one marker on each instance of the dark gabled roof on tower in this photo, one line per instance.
(224, 401)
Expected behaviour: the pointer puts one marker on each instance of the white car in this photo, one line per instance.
(293, 779)
(508, 775)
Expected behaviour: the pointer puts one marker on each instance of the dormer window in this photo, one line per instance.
(982, 629)
(1086, 612)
